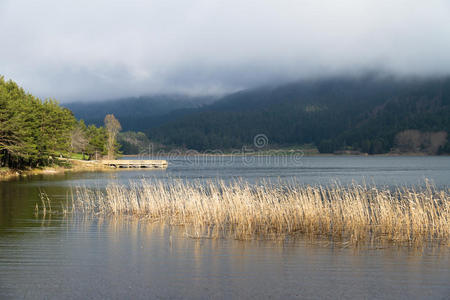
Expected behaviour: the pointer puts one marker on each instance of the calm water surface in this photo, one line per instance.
(58, 258)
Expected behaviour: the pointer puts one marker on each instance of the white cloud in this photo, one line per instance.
(101, 49)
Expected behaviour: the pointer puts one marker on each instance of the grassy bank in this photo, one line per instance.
(67, 165)
(348, 213)
(6, 173)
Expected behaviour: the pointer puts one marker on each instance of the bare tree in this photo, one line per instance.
(436, 140)
(416, 141)
(408, 140)
(112, 127)
(79, 140)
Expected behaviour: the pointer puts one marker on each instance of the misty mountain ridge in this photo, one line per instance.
(337, 113)
(136, 113)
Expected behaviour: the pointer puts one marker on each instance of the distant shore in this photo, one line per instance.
(281, 153)
(91, 165)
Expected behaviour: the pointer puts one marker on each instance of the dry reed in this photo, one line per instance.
(214, 209)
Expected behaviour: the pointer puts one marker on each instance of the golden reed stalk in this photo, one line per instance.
(215, 209)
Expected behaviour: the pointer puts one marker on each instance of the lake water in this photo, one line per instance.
(59, 258)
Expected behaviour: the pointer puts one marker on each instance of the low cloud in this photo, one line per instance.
(78, 50)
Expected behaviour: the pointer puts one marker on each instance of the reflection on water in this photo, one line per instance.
(57, 257)
(129, 258)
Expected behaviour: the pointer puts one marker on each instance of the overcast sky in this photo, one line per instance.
(78, 50)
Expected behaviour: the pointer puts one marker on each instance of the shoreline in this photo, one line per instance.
(7, 174)
(85, 166)
(76, 166)
(284, 153)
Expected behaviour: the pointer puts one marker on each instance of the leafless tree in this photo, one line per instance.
(79, 140)
(112, 127)
(436, 140)
(408, 140)
(416, 141)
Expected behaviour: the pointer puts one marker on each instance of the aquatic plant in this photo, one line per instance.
(215, 209)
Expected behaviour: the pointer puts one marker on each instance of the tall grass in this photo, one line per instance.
(216, 209)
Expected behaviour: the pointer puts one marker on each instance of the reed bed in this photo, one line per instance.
(215, 209)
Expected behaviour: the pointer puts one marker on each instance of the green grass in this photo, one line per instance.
(76, 156)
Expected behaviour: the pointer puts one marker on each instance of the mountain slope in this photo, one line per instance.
(137, 113)
(361, 114)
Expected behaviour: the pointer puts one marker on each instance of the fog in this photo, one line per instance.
(81, 50)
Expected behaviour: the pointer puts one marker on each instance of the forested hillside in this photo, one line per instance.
(365, 114)
(369, 114)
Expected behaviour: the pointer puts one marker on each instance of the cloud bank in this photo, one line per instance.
(78, 50)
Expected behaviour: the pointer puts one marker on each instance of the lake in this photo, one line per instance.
(63, 257)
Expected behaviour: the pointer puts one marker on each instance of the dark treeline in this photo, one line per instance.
(368, 114)
(34, 132)
(134, 143)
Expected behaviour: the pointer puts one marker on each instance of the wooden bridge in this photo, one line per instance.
(125, 163)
